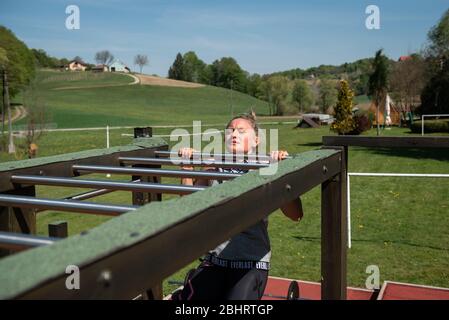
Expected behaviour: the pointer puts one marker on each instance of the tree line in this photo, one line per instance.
(419, 82)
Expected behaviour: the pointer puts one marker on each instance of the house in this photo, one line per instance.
(404, 58)
(76, 65)
(314, 120)
(118, 66)
(100, 68)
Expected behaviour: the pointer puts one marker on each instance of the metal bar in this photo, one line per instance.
(168, 162)
(157, 172)
(19, 241)
(61, 165)
(222, 156)
(412, 175)
(92, 194)
(89, 194)
(105, 184)
(429, 115)
(387, 142)
(63, 205)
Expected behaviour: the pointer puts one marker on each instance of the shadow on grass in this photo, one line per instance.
(378, 241)
(428, 153)
(310, 144)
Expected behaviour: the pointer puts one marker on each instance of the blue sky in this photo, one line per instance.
(264, 36)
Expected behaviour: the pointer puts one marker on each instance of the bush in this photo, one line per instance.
(362, 124)
(431, 126)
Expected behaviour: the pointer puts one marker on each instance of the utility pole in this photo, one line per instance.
(232, 106)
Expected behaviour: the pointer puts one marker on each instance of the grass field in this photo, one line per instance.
(398, 224)
(143, 105)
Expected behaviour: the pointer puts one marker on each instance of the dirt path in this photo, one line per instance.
(18, 113)
(158, 81)
(136, 81)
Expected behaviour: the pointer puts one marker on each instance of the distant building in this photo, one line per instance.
(404, 58)
(75, 65)
(118, 66)
(100, 68)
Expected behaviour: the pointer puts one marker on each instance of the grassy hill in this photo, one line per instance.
(120, 104)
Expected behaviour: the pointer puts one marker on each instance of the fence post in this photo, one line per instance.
(58, 229)
(334, 235)
(19, 220)
(139, 198)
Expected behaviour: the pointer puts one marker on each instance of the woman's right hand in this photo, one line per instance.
(186, 154)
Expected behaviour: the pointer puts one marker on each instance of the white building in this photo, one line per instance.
(118, 66)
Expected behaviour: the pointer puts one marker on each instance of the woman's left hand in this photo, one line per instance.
(278, 155)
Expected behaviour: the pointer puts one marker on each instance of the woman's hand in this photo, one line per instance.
(278, 155)
(186, 154)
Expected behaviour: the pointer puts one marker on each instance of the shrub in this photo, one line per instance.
(431, 126)
(362, 124)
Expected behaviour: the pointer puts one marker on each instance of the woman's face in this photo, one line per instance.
(240, 137)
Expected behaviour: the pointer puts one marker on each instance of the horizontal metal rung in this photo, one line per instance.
(105, 184)
(157, 172)
(222, 156)
(203, 163)
(63, 205)
(19, 241)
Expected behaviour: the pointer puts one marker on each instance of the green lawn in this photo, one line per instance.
(142, 105)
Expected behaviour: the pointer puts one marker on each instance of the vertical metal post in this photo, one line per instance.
(19, 220)
(334, 236)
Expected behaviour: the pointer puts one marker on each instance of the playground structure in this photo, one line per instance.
(388, 115)
(131, 254)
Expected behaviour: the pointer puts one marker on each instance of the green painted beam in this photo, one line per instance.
(40, 272)
(139, 143)
(61, 165)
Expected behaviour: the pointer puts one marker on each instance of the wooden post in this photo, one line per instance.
(334, 236)
(146, 132)
(20, 220)
(140, 198)
(58, 229)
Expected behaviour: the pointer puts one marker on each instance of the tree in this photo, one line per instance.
(302, 95)
(102, 57)
(275, 90)
(193, 67)
(344, 123)
(435, 95)
(78, 59)
(407, 81)
(17, 69)
(327, 94)
(3, 64)
(141, 61)
(176, 71)
(439, 39)
(253, 85)
(226, 71)
(378, 82)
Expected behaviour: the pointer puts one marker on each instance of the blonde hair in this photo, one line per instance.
(249, 116)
